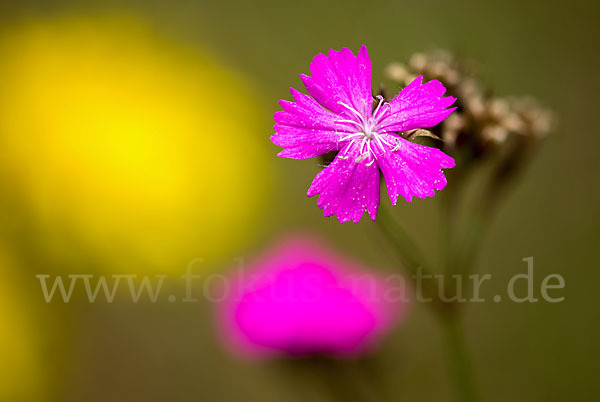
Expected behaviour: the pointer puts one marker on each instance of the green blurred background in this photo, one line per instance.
(254, 52)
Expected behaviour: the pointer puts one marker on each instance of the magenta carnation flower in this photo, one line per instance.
(300, 299)
(341, 115)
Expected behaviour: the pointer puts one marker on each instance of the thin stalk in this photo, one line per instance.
(411, 257)
(405, 247)
(448, 223)
(459, 362)
(339, 380)
(472, 243)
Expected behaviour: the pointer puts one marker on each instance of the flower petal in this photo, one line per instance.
(417, 106)
(285, 315)
(341, 77)
(347, 188)
(411, 169)
(306, 129)
(302, 299)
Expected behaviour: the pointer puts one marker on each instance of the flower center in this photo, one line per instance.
(367, 124)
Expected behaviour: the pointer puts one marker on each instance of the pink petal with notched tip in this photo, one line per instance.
(418, 106)
(341, 77)
(347, 189)
(305, 129)
(412, 169)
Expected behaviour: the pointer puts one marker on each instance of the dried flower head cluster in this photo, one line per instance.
(482, 122)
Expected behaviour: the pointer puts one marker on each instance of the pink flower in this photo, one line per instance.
(300, 299)
(341, 115)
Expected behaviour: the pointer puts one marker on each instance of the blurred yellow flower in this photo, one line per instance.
(127, 146)
(21, 374)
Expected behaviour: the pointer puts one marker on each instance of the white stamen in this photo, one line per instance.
(369, 130)
(378, 141)
(352, 136)
(379, 110)
(356, 112)
(363, 143)
(362, 157)
(350, 122)
(379, 105)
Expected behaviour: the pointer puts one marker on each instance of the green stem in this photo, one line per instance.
(472, 243)
(448, 219)
(410, 256)
(340, 380)
(406, 248)
(458, 361)
(412, 259)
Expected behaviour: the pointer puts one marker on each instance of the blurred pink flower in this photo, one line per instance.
(300, 299)
(339, 116)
